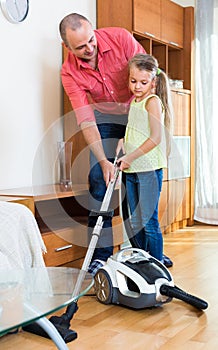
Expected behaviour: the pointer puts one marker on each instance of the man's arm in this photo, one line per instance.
(93, 139)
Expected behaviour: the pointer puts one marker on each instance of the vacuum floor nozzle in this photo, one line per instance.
(67, 334)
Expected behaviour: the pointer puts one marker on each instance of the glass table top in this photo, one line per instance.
(27, 295)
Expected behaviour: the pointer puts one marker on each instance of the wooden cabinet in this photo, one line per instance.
(171, 23)
(159, 19)
(147, 17)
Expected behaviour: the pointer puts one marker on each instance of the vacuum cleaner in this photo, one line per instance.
(131, 277)
(135, 279)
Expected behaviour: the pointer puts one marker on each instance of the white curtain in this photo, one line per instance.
(206, 82)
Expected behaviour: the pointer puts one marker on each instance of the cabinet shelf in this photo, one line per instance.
(168, 55)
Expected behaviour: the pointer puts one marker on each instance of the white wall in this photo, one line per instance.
(30, 86)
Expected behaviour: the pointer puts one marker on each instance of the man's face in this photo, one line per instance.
(82, 41)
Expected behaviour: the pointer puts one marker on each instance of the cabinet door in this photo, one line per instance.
(176, 193)
(172, 23)
(181, 100)
(179, 200)
(114, 13)
(147, 17)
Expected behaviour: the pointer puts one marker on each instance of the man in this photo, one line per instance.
(95, 78)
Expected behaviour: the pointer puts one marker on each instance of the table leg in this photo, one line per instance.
(50, 329)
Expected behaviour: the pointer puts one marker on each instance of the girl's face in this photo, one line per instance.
(141, 83)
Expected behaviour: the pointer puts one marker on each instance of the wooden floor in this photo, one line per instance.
(174, 326)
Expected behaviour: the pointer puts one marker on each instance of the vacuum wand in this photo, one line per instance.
(99, 224)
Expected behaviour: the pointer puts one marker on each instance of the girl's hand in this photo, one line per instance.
(123, 163)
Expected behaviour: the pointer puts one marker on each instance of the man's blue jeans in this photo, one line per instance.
(143, 193)
(111, 128)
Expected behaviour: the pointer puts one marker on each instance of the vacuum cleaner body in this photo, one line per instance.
(132, 278)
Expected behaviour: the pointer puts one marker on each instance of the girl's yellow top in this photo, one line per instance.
(137, 132)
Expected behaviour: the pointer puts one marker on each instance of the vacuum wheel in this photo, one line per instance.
(103, 287)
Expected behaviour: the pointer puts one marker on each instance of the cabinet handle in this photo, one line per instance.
(172, 43)
(63, 248)
(180, 93)
(149, 34)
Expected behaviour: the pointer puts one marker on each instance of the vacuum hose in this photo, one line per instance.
(175, 292)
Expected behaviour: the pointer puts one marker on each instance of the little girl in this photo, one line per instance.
(145, 148)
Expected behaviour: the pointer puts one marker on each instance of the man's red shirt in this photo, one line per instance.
(104, 89)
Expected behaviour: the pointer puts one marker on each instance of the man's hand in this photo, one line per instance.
(108, 170)
(93, 139)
